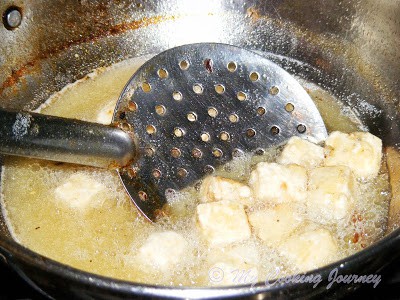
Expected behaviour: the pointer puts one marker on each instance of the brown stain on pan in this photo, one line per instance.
(17, 75)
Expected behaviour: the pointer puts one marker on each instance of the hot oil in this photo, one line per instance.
(104, 238)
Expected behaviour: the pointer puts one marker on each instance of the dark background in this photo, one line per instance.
(13, 287)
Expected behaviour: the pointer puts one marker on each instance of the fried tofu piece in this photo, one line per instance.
(360, 151)
(275, 224)
(311, 249)
(79, 191)
(233, 265)
(331, 194)
(222, 222)
(393, 163)
(276, 183)
(217, 188)
(161, 252)
(301, 152)
(243, 253)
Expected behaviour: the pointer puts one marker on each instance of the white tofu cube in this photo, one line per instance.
(233, 265)
(360, 151)
(310, 250)
(222, 222)
(331, 194)
(276, 183)
(301, 152)
(243, 253)
(275, 224)
(161, 252)
(217, 188)
(79, 192)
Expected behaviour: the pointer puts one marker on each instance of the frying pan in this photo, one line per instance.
(348, 47)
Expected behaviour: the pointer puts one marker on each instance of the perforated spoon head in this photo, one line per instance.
(193, 108)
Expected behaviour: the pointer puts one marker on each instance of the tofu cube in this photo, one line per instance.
(79, 191)
(242, 253)
(331, 194)
(161, 252)
(233, 265)
(301, 152)
(310, 250)
(360, 151)
(217, 188)
(276, 183)
(222, 222)
(275, 224)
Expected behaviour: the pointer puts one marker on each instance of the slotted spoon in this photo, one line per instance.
(185, 112)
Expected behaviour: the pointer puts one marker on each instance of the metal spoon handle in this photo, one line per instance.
(65, 140)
